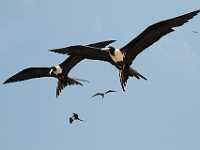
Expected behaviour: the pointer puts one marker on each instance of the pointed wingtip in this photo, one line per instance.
(7, 81)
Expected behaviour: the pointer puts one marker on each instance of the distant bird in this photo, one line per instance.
(122, 58)
(59, 71)
(103, 94)
(195, 31)
(74, 117)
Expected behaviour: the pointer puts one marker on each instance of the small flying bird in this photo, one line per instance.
(195, 31)
(59, 71)
(74, 117)
(103, 94)
(123, 57)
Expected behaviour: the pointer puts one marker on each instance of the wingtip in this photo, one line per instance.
(7, 81)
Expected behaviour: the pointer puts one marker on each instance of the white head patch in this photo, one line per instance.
(57, 70)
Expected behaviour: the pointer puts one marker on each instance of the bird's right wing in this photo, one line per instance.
(72, 61)
(101, 44)
(97, 94)
(29, 73)
(86, 52)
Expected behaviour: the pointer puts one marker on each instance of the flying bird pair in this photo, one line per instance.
(121, 58)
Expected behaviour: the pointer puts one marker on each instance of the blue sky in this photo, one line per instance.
(161, 113)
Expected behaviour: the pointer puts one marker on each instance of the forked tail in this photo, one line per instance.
(123, 74)
(67, 81)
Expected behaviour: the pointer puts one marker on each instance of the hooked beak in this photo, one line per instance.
(50, 72)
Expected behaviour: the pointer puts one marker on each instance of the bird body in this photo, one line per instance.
(117, 56)
(103, 94)
(59, 71)
(74, 117)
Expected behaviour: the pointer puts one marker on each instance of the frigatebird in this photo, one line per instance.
(59, 71)
(103, 93)
(123, 57)
(73, 118)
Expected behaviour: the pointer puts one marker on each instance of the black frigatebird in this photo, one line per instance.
(59, 71)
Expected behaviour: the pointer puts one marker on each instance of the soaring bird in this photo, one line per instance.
(73, 118)
(123, 57)
(103, 93)
(59, 71)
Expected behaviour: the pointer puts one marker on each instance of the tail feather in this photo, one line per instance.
(124, 74)
(61, 84)
(136, 74)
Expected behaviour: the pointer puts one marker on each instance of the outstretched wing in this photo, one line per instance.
(72, 61)
(87, 52)
(29, 73)
(70, 120)
(110, 91)
(98, 94)
(101, 44)
(152, 34)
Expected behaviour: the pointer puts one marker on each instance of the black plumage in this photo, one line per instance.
(122, 58)
(74, 117)
(63, 78)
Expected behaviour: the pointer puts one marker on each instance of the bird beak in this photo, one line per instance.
(105, 49)
(50, 72)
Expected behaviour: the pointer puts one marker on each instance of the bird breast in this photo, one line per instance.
(118, 56)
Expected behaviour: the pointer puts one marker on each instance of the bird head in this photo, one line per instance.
(55, 70)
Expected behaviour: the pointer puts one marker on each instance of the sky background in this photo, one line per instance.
(161, 113)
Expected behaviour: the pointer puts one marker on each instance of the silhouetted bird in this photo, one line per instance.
(59, 71)
(122, 58)
(195, 31)
(103, 94)
(74, 117)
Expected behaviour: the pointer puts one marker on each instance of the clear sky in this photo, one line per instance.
(159, 114)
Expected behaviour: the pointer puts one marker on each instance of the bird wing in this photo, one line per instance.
(69, 63)
(29, 73)
(98, 94)
(72, 61)
(101, 44)
(70, 120)
(87, 52)
(152, 34)
(75, 115)
(110, 91)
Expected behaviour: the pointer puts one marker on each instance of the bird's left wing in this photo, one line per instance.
(29, 73)
(97, 94)
(152, 34)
